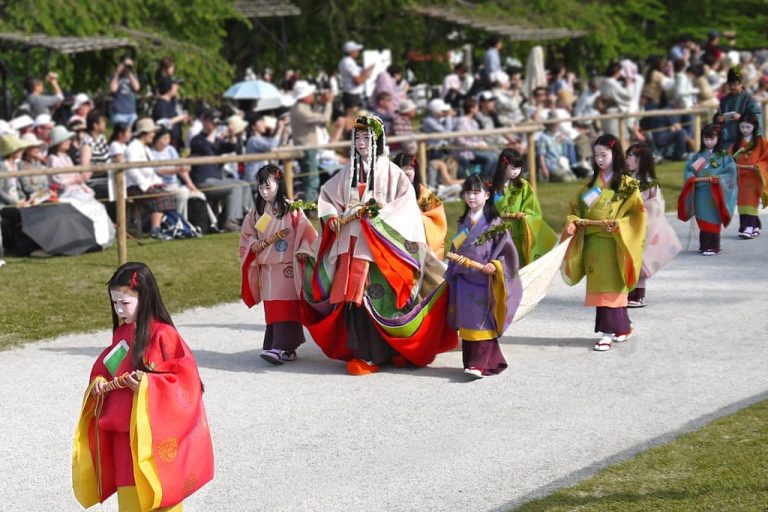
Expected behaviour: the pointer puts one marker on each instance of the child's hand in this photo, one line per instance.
(489, 269)
(301, 257)
(611, 226)
(570, 229)
(98, 388)
(133, 379)
(334, 224)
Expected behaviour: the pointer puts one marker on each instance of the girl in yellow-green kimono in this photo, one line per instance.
(519, 207)
(607, 225)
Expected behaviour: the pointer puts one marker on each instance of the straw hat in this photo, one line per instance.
(145, 125)
(237, 124)
(59, 134)
(10, 143)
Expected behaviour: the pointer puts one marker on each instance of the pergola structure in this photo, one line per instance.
(62, 44)
(511, 32)
(252, 9)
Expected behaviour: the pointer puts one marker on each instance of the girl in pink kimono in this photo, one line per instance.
(661, 242)
(275, 240)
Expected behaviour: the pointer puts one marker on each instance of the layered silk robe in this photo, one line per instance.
(171, 448)
(611, 261)
(274, 275)
(661, 242)
(532, 236)
(711, 202)
(753, 184)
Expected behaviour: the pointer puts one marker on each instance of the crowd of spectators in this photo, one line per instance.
(54, 129)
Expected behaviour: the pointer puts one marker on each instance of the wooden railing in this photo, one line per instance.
(287, 155)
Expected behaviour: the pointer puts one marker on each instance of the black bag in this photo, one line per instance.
(197, 214)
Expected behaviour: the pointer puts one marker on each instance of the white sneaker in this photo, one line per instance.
(708, 252)
(747, 233)
(755, 232)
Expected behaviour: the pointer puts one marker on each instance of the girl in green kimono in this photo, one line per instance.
(607, 226)
(519, 208)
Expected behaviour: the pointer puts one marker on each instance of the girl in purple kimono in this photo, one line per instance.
(483, 281)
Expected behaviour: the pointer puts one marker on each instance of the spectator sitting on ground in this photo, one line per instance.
(382, 111)
(351, 76)
(476, 149)
(11, 192)
(439, 119)
(237, 193)
(95, 151)
(166, 109)
(488, 118)
(123, 86)
(266, 133)
(666, 136)
(541, 106)
(509, 100)
(236, 128)
(145, 180)
(39, 103)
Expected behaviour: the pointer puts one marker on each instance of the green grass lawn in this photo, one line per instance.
(43, 298)
(720, 467)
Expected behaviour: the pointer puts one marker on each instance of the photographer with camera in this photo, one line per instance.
(38, 102)
(123, 86)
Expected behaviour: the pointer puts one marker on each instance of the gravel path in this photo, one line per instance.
(306, 436)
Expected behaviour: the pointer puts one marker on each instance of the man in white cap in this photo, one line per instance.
(42, 128)
(439, 120)
(403, 126)
(22, 124)
(351, 76)
(304, 123)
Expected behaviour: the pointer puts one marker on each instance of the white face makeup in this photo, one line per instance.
(709, 142)
(268, 190)
(363, 144)
(603, 158)
(513, 172)
(476, 199)
(126, 304)
(746, 129)
(633, 163)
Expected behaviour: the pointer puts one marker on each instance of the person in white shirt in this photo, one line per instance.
(352, 77)
(144, 180)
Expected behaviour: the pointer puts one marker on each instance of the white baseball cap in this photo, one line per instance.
(302, 89)
(21, 122)
(438, 105)
(80, 100)
(43, 120)
(351, 46)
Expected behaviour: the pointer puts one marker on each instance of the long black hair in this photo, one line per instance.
(281, 199)
(750, 118)
(403, 160)
(117, 130)
(137, 277)
(506, 158)
(646, 169)
(619, 163)
(474, 183)
(709, 131)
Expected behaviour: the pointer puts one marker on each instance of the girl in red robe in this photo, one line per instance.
(142, 432)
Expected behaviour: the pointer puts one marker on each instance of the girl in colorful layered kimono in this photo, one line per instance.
(432, 209)
(709, 191)
(750, 151)
(485, 288)
(661, 242)
(519, 207)
(275, 240)
(607, 226)
(142, 431)
(361, 297)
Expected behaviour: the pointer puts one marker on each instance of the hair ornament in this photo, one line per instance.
(133, 280)
(611, 143)
(278, 174)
